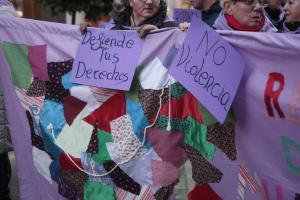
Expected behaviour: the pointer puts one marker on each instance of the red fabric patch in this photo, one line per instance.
(66, 163)
(72, 107)
(111, 109)
(236, 26)
(182, 108)
(203, 192)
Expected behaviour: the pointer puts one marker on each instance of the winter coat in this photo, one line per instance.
(209, 16)
(5, 142)
(221, 24)
(160, 19)
(287, 30)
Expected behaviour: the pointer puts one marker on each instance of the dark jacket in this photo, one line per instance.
(160, 19)
(209, 16)
(5, 143)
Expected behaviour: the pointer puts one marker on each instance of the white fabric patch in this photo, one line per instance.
(42, 163)
(75, 139)
(139, 169)
(155, 76)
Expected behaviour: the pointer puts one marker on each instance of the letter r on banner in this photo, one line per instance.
(271, 94)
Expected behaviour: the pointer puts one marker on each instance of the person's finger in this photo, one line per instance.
(145, 29)
(83, 27)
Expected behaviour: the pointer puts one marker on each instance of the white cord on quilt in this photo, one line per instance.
(51, 129)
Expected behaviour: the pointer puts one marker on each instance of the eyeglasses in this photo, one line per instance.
(251, 2)
(153, 1)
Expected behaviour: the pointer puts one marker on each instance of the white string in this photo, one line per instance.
(169, 119)
(51, 129)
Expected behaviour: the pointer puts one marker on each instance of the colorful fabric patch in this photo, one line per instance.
(36, 140)
(94, 169)
(223, 136)
(132, 94)
(121, 179)
(186, 182)
(177, 125)
(72, 107)
(65, 81)
(55, 170)
(52, 121)
(209, 119)
(168, 146)
(149, 100)
(182, 108)
(17, 57)
(154, 75)
(139, 169)
(146, 194)
(36, 88)
(104, 114)
(67, 162)
(54, 88)
(84, 93)
(42, 162)
(165, 192)
(71, 184)
(164, 173)
(38, 60)
(102, 156)
(75, 139)
(101, 94)
(203, 171)
(124, 139)
(93, 146)
(195, 136)
(139, 121)
(178, 91)
(203, 192)
(96, 191)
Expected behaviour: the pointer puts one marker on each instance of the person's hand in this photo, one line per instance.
(83, 26)
(184, 26)
(145, 29)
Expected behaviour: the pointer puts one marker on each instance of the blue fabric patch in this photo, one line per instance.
(93, 167)
(66, 81)
(139, 121)
(53, 113)
(54, 169)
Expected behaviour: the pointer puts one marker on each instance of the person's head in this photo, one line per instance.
(202, 4)
(143, 9)
(273, 4)
(245, 12)
(292, 11)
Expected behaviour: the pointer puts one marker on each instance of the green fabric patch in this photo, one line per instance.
(133, 92)
(177, 90)
(96, 191)
(210, 119)
(17, 57)
(287, 145)
(177, 125)
(102, 156)
(195, 136)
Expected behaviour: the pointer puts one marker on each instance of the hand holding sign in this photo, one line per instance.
(209, 68)
(107, 58)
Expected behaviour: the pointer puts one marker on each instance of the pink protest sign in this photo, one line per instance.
(107, 58)
(209, 68)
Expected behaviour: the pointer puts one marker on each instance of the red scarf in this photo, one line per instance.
(236, 26)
